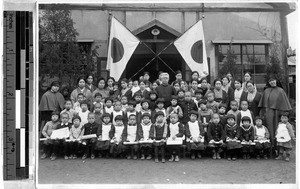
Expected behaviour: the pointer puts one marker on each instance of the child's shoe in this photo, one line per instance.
(149, 157)
(44, 156)
(199, 156)
(84, 156)
(218, 156)
(128, 157)
(53, 157)
(177, 158)
(92, 156)
(171, 158)
(214, 156)
(100, 155)
(142, 157)
(74, 156)
(287, 159)
(66, 157)
(233, 158)
(134, 157)
(229, 158)
(156, 160)
(163, 160)
(279, 157)
(193, 156)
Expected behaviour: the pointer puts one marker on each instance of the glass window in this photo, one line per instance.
(259, 49)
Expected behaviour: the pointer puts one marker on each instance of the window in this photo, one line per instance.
(249, 58)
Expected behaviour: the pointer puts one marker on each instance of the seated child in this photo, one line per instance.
(246, 134)
(98, 113)
(131, 135)
(76, 105)
(50, 146)
(180, 94)
(124, 103)
(195, 136)
(244, 112)
(158, 132)
(108, 106)
(83, 114)
(69, 110)
(234, 105)
(175, 129)
(105, 133)
(222, 114)
(216, 133)
(174, 108)
(284, 136)
(160, 102)
(72, 147)
(212, 104)
(144, 132)
(64, 123)
(135, 86)
(117, 147)
(97, 99)
(117, 111)
(205, 114)
(138, 98)
(187, 106)
(153, 98)
(231, 135)
(261, 134)
(89, 144)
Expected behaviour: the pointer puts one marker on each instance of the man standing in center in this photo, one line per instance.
(165, 90)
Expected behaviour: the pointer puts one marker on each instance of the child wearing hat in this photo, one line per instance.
(158, 133)
(131, 135)
(262, 137)
(194, 135)
(76, 133)
(284, 136)
(231, 135)
(117, 147)
(174, 108)
(246, 136)
(105, 133)
(152, 98)
(216, 136)
(144, 135)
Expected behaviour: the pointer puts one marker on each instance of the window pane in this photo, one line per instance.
(236, 49)
(259, 49)
(260, 69)
(224, 48)
(247, 49)
(248, 59)
(260, 59)
(238, 59)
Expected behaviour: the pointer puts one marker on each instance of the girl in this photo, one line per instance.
(117, 147)
(174, 108)
(135, 87)
(108, 106)
(117, 111)
(231, 135)
(115, 93)
(194, 87)
(215, 136)
(262, 136)
(125, 90)
(220, 95)
(130, 110)
(211, 103)
(153, 98)
(284, 135)
(131, 135)
(228, 89)
(195, 135)
(105, 133)
(155, 85)
(144, 135)
(246, 136)
(247, 77)
(75, 137)
(244, 112)
(138, 98)
(109, 83)
(145, 109)
(160, 108)
(176, 86)
(175, 129)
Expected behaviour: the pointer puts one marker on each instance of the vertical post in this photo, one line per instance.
(108, 34)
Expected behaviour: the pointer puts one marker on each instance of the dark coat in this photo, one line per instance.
(187, 107)
(215, 132)
(247, 134)
(90, 128)
(166, 92)
(252, 106)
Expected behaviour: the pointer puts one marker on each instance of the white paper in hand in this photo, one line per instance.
(60, 133)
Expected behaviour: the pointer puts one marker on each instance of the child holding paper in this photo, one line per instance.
(246, 136)
(195, 136)
(131, 135)
(64, 124)
(105, 133)
(117, 147)
(90, 128)
(76, 133)
(144, 132)
(175, 130)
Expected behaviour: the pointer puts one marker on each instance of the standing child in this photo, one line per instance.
(97, 99)
(76, 133)
(246, 136)
(195, 136)
(89, 144)
(234, 105)
(152, 102)
(216, 136)
(77, 104)
(284, 136)
(130, 110)
(144, 135)
(83, 114)
(174, 108)
(212, 104)
(158, 132)
(180, 95)
(262, 137)
(231, 135)
(98, 113)
(124, 103)
(138, 98)
(69, 110)
(175, 130)
(187, 106)
(117, 147)
(105, 133)
(131, 135)
(49, 147)
(108, 106)
(244, 112)
(117, 111)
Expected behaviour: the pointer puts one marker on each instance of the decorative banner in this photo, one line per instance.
(191, 46)
(122, 44)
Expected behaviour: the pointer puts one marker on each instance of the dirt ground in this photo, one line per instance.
(187, 171)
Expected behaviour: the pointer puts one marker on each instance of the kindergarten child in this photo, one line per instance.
(116, 146)
(98, 113)
(195, 136)
(160, 102)
(187, 106)
(77, 104)
(284, 136)
(246, 134)
(158, 132)
(105, 133)
(174, 108)
(69, 110)
(83, 114)
(198, 96)
(49, 146)
(234, 105)
(175, 130)
(76, 132)
(144, 133)
(145, 109)
(124, 103)
(117, 111)
(205, 114)
(212, 104)
(152, 102)
(88, 129)
(216, 133)
(108, 105)
(231, 135)
(244, 112)
(222, 114)
(131, 135)
(97, 99)
(262, 137)
(64, 124)
(138, 98)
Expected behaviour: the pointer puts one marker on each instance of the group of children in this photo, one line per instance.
(142, 127)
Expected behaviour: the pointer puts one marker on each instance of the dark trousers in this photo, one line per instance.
(232, 152)
(174, 150)
(51, 146)
(132, 149)
(146, 150)
(287, 150)
(90, 145)
(71, 148)
(162, 151)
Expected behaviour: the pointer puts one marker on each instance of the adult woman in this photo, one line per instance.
(238, 91)
(247, 77)
(155, 85)
(89, 83)
(231, 80)
(52, 100)
(81, 89)
(195, 75)
(205, 86)
(125, 90)
(109, 83)
(100, 88)
(220, 95)
(227, 88)
(184, 86)
(273, 100)
(176, 86)
(252, 97)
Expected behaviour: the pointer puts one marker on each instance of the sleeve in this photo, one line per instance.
(140, 131)
(124, 134)
(99, 130)
(223, 133)
(45, 128)
(180, 112)
(43, 103)
(201, 129)
(81, 133)
(187, 131)
(267, 133)
(180, 131)
(112, 132)
(168, 131)
(61, 100)
(209, 136)
(225, 98)
(252, 115)
(151, 133)
(291, 130)
(165, 131)
(252, 134)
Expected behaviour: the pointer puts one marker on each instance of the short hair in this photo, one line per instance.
(146, 73)
(97, 104)
(178, 72)
(100, 79)
(146, 115)
(202, 101)
(64, 113)
(173, 114)
(68, 100)
(55, 113)
(239, 80)
(165, 74)
(131, 115)
(106, 115)
(84, 102)
(108, 99)
(81, 78)
(160, 100)
(202, 79)
(80, 94)
(230, 116)
(216, 80)
(91, 113)
(193, 112)
(195, 81)
(259, 117)
(198, 91)
(119, 117)
(145, 100)
(137, 94)
(98, 94)
(244, 101)
(233, 101)
(246, 118)
(142, 81)
(180, 90)
(124, 80)
(210, 93)
(132, 102)
(76, 117)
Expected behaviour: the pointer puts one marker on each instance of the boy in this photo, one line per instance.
(76, 105)
(187, 106)
(131, 135)
(198, 96)
(105, 133)
(262, 137)
(64, 123)
(160, 102)
(152, 102)
(98, 112)
(124, 103)
(97, 99)
(212, 104)
(50, 146)
(90, 128)
(180, 95)
(75, 135)
(174, 108)
(117, 111)
(117, 147)
(144, 135)
(158, 132)
(83, 114)
(108, 106)
(69, 110)
(222, 114)
(138, 98)
(246, 134)
(244, 112)
(234, 105)
(205, 114)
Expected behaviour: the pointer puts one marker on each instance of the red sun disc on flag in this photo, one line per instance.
(197, 52)
(117, 50)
